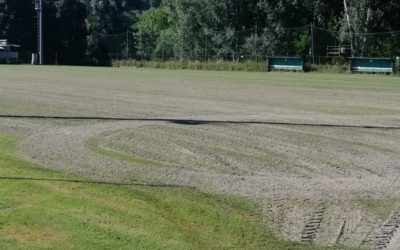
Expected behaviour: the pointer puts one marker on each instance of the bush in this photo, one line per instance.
(340, 66)
(219, 65)
(328, 68)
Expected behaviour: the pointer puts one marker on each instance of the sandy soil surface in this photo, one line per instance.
(317, 184)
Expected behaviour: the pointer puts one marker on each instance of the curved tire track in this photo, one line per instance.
(65, 149)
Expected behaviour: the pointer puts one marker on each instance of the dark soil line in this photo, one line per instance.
(12, 178)
(194, 122)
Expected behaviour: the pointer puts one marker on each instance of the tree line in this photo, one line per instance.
(203, 29)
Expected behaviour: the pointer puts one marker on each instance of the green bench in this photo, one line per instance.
(372, 65)
(285, 63)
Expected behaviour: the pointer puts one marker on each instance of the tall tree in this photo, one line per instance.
(18, 23)
(72, 32)
(361, 17)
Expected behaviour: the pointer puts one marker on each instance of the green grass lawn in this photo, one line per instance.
(66, 215)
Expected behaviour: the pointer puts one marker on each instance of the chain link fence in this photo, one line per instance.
(312, 42)
(315, 44)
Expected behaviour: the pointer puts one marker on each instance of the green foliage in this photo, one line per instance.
(200, 30)
(154, 36)
(340, 66)
(328, 68)
(154, 21)
(364, 17)
(72, 45)
(219, 65)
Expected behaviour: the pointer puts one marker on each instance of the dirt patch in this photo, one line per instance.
(33, 234)
(258, 150)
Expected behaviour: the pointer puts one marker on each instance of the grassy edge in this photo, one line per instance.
(38, 215)
(220, 65)
(248, 66)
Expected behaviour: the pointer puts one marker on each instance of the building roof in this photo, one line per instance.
(4, 45)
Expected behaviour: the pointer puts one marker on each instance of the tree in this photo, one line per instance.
(363, 17)
(108, 17)
(72, 32)
(151, 27)
(18, 23)
(200, 29)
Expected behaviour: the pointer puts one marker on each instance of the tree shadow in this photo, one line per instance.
(12, 178)
(196, 122)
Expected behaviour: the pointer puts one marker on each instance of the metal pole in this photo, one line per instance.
(41, 32)
(312, 43)
(255, 44)
(205, 51)
(39, 10)
(127, 44)
(162, 46)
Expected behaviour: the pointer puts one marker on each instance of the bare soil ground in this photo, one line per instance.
(331, 184)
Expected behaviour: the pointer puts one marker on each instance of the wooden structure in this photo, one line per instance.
(338, 51)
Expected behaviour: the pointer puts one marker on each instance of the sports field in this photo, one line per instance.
(207, 159)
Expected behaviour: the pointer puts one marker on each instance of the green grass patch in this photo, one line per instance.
(65, 215)
(381, 208)
(94, 145)
(123, 157)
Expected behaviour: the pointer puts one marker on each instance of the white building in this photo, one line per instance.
(8, 52)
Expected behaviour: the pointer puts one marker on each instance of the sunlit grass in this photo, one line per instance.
(63, 215)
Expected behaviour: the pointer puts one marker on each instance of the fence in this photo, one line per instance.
(317, 44)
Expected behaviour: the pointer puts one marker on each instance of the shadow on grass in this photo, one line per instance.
(12, 178)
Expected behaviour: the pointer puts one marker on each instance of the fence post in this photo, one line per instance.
(312, 42)
(255, 44)
(127, 44)
(206, 49)
(162, 45)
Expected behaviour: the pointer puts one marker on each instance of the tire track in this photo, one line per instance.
(313, 225)
(388, 231)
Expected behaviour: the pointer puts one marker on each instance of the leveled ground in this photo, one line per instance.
(319, 153)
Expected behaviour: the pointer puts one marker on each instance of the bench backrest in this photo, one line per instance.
(285, 63)
(372, 65)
